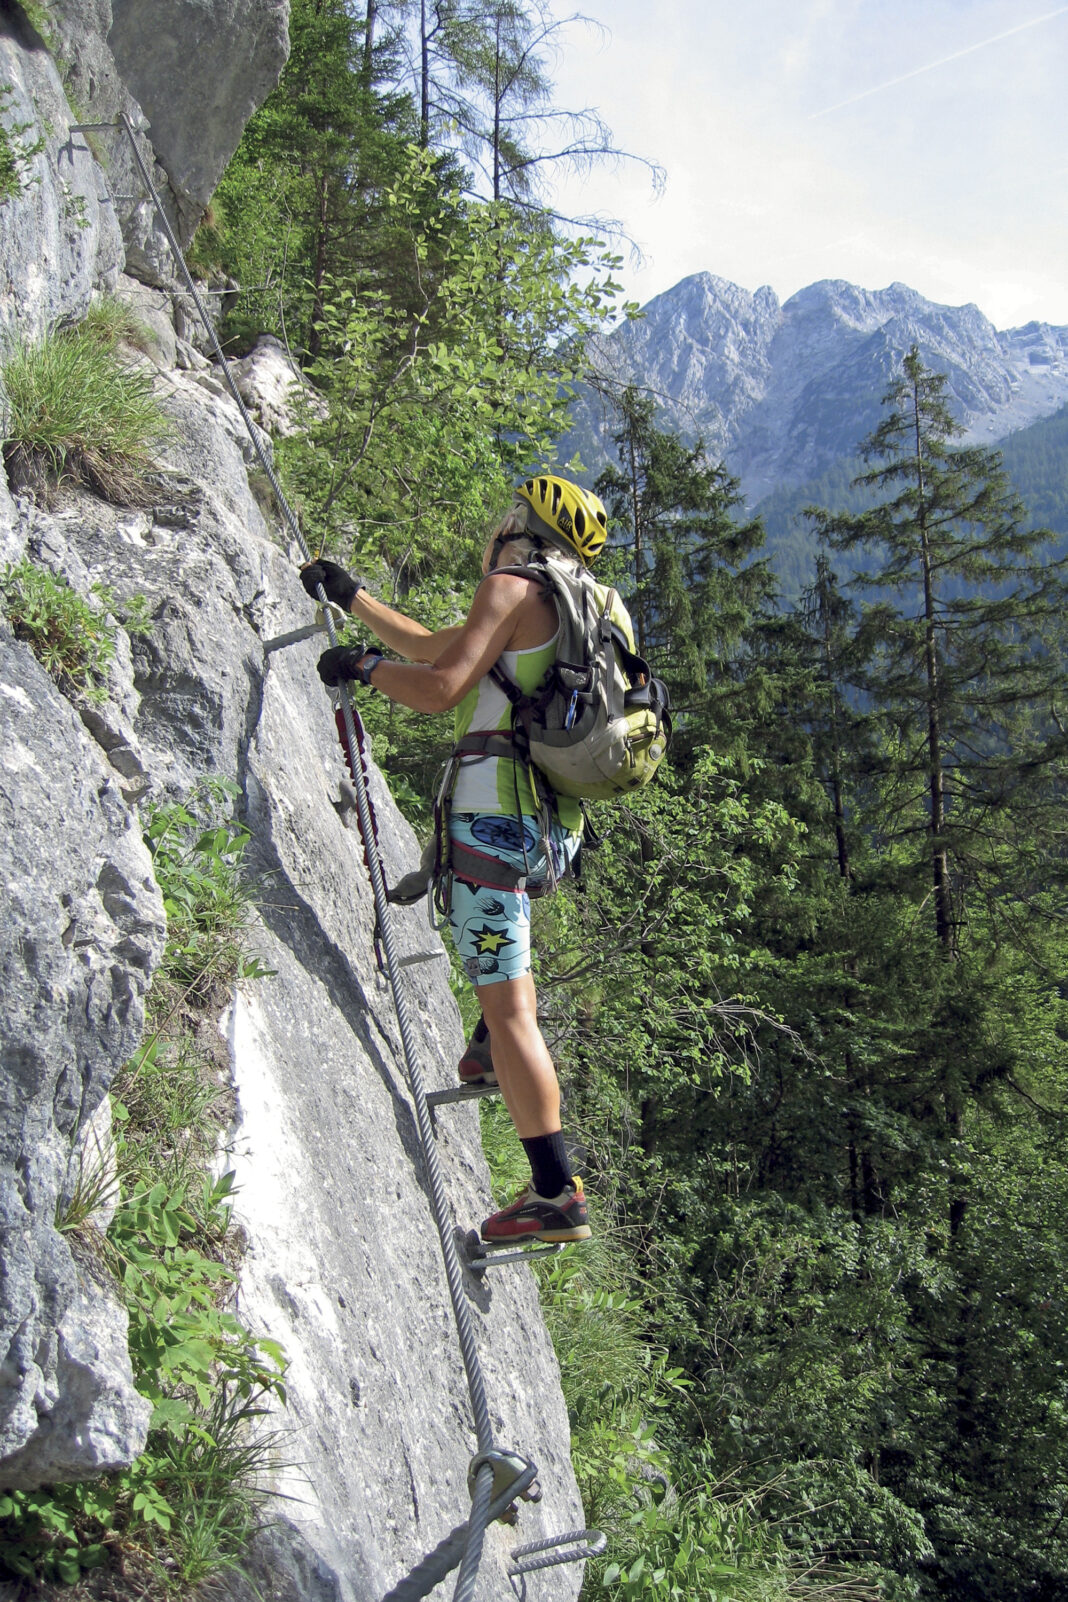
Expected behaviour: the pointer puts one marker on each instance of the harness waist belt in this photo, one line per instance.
(485, 742)
(479, 867)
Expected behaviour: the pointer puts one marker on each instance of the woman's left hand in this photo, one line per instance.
(345, 662)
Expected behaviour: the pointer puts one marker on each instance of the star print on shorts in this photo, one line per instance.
(491, 940)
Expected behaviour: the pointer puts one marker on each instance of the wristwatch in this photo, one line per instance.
(367, 666)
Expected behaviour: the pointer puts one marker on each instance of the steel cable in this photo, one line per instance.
(481, 1509)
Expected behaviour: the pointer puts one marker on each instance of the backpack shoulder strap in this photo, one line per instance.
(537, 573)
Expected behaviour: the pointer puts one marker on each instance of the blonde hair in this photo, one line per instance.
(510, 534)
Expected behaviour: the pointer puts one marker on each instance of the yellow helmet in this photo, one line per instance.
(570, 511)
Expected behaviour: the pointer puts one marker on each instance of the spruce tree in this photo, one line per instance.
(304, 198)
(693, 577)
(960, 666)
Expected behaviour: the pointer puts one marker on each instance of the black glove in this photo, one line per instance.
(340, 586)
(342, 662)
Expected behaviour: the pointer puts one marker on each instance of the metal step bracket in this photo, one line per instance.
(573, 1546)
(479, 1256)
(444, 1098)
(338, 616)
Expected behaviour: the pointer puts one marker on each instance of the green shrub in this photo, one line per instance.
(77, 412)
(196, 857)
(72, 639)
(16, 151)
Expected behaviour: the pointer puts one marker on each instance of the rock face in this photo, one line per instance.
(187, 74)
(271, 386)
(198, 70)
(59, 238)
(343, 1259)
(343, 1265)
(81, 931)
(782, 392)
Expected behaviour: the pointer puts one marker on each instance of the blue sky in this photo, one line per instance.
(924, 141)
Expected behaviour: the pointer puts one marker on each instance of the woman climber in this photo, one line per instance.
(494, 817)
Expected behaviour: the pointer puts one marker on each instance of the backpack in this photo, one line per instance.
(599, 724)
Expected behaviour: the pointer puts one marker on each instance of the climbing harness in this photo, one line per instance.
(496, 1480)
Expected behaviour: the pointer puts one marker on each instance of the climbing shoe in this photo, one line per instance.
(476, 1064)
(534, 1217)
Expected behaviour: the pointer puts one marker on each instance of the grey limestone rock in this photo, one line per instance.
(80, 932)
(199, 69)
(87, 1416)
(11, 539)
(273, 388)
(154, 309)
(343, 1264)
(59, 237)
(187, 74)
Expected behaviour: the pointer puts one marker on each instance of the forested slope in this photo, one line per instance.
(1035, 458)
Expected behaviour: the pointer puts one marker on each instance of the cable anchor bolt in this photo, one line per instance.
(509, 1470)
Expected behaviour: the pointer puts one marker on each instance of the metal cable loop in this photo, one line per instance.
(482, 1509)
(447, 1554)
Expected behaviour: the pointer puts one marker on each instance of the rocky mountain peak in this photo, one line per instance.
(781, 392)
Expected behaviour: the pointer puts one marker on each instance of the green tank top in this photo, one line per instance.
(491, 784)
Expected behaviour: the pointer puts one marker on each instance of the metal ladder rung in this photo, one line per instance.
(478, 1256)
(442, 1098)
(573, 1546)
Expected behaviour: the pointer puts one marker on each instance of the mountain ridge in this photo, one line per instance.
(780, 391)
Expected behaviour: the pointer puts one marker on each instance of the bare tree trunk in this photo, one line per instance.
(943, 903)
(369, 42)
(498, 95)
(635, 501)
(314, 341)
(837, 801)
(424, 78)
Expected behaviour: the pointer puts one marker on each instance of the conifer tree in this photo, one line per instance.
(958, 653)
(693, 580)
(304, 197)
(483, 70)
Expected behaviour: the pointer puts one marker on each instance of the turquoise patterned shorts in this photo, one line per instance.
(491, 928)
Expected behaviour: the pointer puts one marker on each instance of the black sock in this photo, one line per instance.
(547, 1155)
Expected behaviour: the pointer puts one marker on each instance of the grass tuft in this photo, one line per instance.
(77, 412)
(110, 322)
